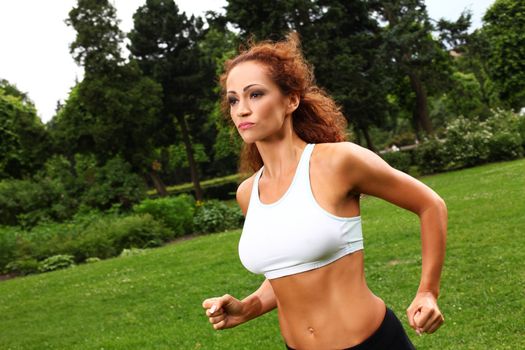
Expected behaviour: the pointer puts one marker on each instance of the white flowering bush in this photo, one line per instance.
(470, 142)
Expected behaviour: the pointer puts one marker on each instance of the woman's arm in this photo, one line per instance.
(369, 174)
(227, 311)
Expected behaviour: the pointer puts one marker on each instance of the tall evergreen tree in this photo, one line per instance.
(114, 110)
(413, 52)
(165, 44)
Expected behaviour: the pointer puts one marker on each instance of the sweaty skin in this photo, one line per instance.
(330, 307)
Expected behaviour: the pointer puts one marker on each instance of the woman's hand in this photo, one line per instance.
(224, 312)
(423, 314)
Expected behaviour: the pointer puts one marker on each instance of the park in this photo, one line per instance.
(118, 216)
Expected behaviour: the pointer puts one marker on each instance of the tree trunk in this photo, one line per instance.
(158, 183)
(368, 139)
(191, 159)
(421, 108)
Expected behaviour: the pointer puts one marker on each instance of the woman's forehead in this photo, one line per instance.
(247, 73)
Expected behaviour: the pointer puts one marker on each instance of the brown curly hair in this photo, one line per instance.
(317, 119)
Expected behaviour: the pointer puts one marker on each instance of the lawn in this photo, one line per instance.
(153, 300)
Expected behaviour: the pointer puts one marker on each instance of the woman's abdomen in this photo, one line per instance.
(330, 307)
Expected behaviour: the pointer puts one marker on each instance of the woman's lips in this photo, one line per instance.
(244, 126)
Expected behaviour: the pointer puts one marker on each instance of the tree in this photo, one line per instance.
(114, 110)
(344, 48)
(413, 52)
(24, 141)
(268, 19)
(504, 33)
(165, 44)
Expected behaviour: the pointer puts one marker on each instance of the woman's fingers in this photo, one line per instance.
(217, 319)
(437, 321)
(427, 320)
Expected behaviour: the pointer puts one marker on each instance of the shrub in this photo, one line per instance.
(400, 160)
(216, 216)
(467, 143)
(175, 212)
(107, 236)
(24, 266)
(114, 183)
(56, 262)
(430, 156)
(507, 141)
(7, 246)
(25, 202)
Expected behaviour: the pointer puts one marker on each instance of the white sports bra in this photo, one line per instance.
(294, 234)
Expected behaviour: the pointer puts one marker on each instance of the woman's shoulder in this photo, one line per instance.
(342, 154)
(244, 192)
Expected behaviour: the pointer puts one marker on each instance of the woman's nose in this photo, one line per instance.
(243, 109)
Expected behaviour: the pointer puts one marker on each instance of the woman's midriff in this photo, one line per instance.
(328, 308)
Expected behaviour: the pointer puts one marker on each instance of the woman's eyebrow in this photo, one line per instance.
(245, 88)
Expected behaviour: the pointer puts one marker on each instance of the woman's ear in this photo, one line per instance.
(293, 103)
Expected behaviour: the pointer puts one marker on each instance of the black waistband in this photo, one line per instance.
(389, 336)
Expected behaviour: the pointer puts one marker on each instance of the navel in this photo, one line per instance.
(311, 330)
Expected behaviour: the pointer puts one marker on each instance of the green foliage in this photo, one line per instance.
(504, 33)
(26, 202)
(87, 235)
(56, 262)
(401, 160)
(469, 142)
(175, 212)
(96, 45)
(508, 140)
(465, 97)
(165, 45)
(23, 266)
(216, 216)
(24, 141)
(8, 243)
(108, 236)
(431, 157)
(179, 158)
(115, 183)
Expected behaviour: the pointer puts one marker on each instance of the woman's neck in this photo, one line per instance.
(280, 157)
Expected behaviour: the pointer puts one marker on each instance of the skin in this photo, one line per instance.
(332, 306)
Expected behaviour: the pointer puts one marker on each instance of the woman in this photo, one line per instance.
(302, 228)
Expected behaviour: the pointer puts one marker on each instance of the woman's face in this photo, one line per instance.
(257, 106)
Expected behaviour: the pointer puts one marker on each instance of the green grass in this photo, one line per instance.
(152, 301)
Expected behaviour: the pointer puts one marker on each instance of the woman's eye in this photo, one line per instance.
(232, 101)
(256, 94)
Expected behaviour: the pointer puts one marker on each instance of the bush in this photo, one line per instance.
(25, 202)
(216, 216)
(507, 141)
(108, 236)
(175, 212)
(430, 156)
(114, 183)
(401, 160)
(467, 143)
(7, 246)
(23, 266)
(56, 262)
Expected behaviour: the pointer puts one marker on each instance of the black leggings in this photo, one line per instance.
(389, 336)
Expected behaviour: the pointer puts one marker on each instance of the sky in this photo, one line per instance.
(34, 41)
